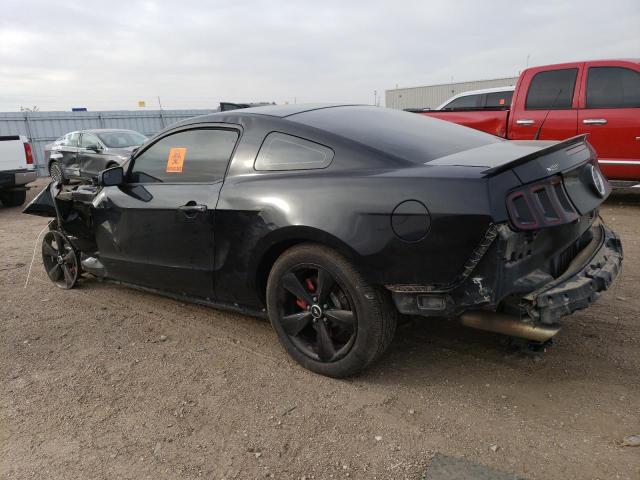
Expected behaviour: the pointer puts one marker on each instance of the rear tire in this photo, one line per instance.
(344, 324)
(14, 198)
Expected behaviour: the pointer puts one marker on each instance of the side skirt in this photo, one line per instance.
(229, 307)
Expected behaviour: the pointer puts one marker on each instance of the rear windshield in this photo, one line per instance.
(122, 139)
(410, 136)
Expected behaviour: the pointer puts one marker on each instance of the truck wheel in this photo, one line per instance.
(14, 198)
(327, 316)
(55, 171)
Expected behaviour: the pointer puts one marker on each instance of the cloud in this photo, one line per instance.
(109, 55)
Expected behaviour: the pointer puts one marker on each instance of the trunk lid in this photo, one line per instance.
(530, 160)
(560, 180)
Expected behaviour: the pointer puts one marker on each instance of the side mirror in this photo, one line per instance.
(111, 177)
(94, 148)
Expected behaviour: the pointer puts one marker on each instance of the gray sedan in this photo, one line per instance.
(83, 154)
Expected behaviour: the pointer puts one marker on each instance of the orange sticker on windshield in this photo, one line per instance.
(502, 101)
(175, 160)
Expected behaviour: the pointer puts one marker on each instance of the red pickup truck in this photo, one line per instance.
(601, 98)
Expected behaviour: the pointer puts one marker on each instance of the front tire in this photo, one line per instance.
(327, 316)
(56, 174)
(14, 198)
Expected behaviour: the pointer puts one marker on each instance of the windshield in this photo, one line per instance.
(122, 139)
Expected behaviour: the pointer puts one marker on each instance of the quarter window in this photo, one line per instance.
(613, 87)
(552, 90)
(467, 101)
(286, 152)
(193, 156)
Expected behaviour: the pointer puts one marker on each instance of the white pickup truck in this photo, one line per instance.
(16, 169)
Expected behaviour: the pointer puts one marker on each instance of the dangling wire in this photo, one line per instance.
(34, 253)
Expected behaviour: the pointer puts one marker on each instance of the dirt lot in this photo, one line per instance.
(90, 391)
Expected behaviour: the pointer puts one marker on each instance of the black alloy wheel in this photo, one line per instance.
(318, 315)
(327, 316)
(60, 260)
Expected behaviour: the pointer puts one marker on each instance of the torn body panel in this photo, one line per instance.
(534, 277)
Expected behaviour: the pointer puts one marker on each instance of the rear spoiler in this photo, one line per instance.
(563, 145)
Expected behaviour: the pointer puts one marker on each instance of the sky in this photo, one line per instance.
(109, 55)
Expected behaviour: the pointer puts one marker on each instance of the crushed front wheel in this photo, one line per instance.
(60, 260)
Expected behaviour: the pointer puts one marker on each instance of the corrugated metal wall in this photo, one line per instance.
(45, 127)
(432, 96)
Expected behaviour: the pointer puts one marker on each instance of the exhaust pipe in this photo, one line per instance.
(508, 325)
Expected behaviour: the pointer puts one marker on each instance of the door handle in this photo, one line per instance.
(525, 121)
(192, 208)
(595, 121)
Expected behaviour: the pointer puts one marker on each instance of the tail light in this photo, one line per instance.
(28, 152)
(542, 204)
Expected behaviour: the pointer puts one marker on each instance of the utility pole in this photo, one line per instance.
(375, 97)
(162, 122)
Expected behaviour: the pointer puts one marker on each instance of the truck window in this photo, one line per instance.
(552, 89)
(613, 87)
(468, 101)
(499, 99)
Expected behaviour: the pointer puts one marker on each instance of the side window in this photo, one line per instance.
(499, 99)
(199, 155)
(88, 140)
(552, 90)
(71, 139)
(286, 152)
(468, 101)
(613, 87)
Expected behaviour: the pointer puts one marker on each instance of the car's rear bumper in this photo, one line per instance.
(589, 273)
(15, 179)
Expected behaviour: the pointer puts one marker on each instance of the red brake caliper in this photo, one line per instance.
(300, 302)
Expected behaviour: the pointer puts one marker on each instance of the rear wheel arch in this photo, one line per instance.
(282, 240)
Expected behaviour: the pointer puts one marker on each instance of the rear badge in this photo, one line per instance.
(597, 181)
(552, 168)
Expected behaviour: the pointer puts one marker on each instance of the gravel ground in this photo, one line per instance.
(107, 382)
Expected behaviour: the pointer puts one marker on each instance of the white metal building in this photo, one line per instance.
(430, 96)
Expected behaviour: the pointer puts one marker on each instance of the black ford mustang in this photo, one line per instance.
(331, 220)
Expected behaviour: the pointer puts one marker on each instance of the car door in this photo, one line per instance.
(91, 155)
(66, 154)
(549, 99)
(156, 230)
(611, 117)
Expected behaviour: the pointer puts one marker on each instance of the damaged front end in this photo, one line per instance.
(72, 225)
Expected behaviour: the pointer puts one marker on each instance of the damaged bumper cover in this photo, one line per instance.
(528, 291)
(590, 273)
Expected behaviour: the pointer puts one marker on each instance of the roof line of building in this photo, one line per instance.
(453, 83)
